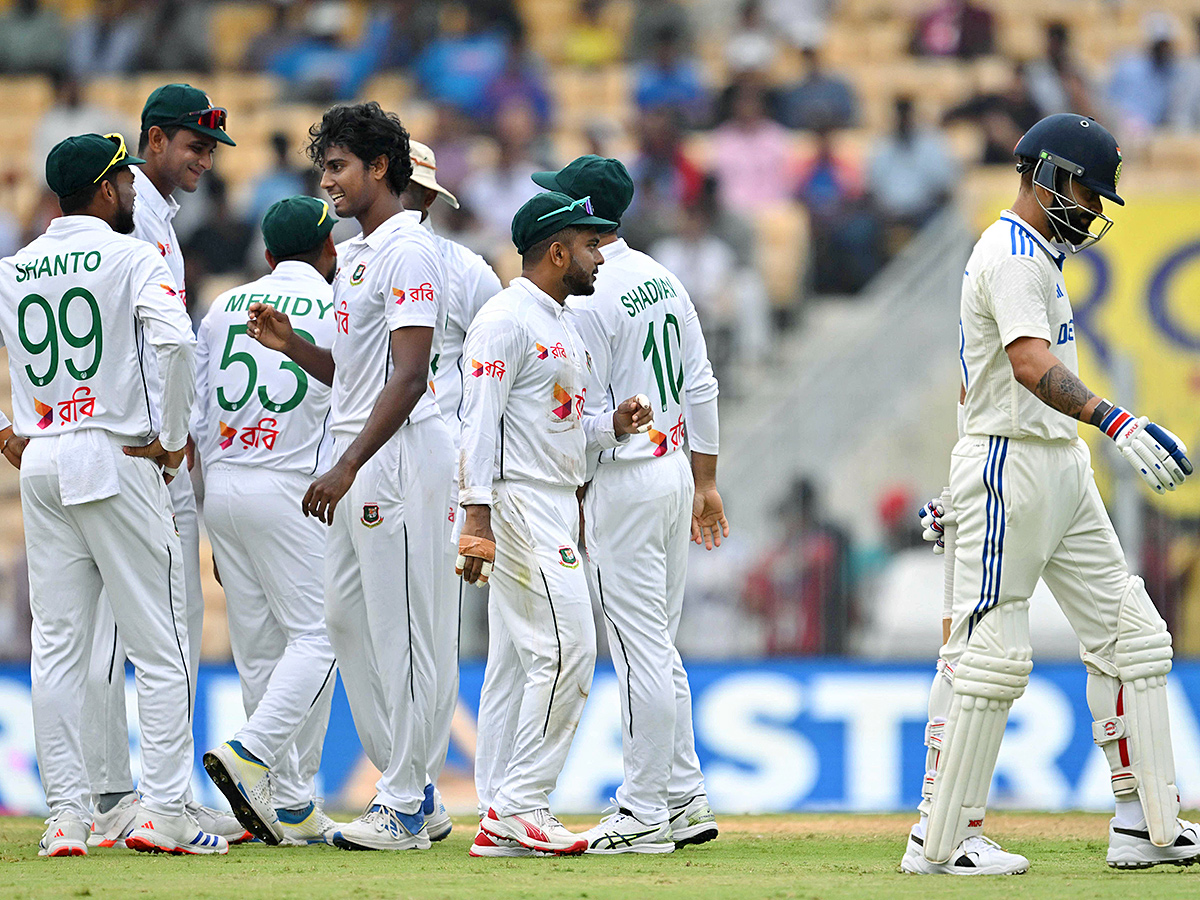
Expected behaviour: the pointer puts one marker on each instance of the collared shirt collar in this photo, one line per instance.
(164, 208)
(294, 268)
(540, 296)
(77, 223)
(615, 250)
(1055, 254)
(406, 218)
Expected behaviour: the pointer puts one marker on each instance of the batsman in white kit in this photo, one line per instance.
(80, 309)
(180, 131)
(1027, 507)
(524, 442)
(470, 283)
(262, 432)
(385, 496)
(644, 336)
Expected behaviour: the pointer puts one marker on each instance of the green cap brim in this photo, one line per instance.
(130, 161)
(547, 180)
(217, 133)
(601, 225)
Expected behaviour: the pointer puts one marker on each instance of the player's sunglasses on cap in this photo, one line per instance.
(122, 153)
(214, 117)
(585, 202)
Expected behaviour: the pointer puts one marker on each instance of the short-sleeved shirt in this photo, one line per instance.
(1013, 287)
(153, 222)
(393, 278)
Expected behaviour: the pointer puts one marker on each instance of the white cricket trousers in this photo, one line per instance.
(105, 721)
(384, 576)
(272, 563)
(539, 589)
(638, 517)
(447, 628)
(128, 543)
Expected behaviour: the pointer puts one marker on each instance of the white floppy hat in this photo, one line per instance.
(425, 170)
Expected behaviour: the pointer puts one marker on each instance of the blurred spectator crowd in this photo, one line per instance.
(782, 149)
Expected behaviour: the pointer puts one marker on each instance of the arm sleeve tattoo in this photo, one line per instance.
(1061, 389)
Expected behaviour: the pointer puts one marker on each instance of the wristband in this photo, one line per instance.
(1102, 409)
(168, 470)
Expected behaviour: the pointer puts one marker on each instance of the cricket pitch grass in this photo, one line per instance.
(813, 856)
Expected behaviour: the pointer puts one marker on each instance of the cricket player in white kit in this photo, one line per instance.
(1021, 487)
(470, 283)
(80, 308)
(180, 132)
(524, 442)
(262, 431)
(385, 496)
(644, 336)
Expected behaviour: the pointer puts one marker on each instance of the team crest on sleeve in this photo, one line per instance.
(370, 515)
(356, 276)
(567, 557)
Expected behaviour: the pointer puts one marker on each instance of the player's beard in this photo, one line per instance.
(124, 222)
(578, 281)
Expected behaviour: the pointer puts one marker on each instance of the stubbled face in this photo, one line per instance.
(1079, 217)
(126, 193)
(584, 252)
(186, 157)
(348, 181)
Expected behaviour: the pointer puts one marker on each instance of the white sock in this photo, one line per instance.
(920, 828)
(1130, 813)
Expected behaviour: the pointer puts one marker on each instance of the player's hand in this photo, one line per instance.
(935, 516)
(1157, 455)
(14, 446)
(323, 495)
(169, 461)
(269, 326)
(633, 416)
(709, 524)
(476, 546)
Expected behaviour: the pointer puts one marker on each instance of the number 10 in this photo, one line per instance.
(668, 376)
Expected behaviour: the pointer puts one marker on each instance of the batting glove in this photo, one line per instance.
(1157, 455)
(935, 516)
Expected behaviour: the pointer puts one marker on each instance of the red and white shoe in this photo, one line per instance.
(160, 833)
(66, 835)
(486, 845)
(536, 830)
(109, 828)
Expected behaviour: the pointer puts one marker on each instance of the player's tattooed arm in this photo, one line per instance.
(1062, 389)
(1043, 373)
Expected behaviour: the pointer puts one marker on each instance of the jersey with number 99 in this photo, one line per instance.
(82, 309)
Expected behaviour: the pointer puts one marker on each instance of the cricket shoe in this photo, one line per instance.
(1130, 848)
(308, 825)
(437, 820)
(977, 855)
(245, 781)
(536, 830)
(622, 832)
(66, 835)
(222, 824)
(383, 828)
(109, 828)
(487, 845)
(159, 833)
(693, 822)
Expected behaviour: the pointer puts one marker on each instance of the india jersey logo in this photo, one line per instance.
(659, 439)
(563, 410)
(567, 557)
(359, 271)
(46, 413)
(227, 436)
(371, 516)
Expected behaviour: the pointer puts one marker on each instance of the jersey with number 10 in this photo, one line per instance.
(254, 406)
(81, 310)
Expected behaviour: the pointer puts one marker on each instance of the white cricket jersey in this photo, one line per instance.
(393, 278)
(77, 308)
(153, 215)
(470, 283)
(523, 396)
(643, 333)
(254, 406)
(1013, 287)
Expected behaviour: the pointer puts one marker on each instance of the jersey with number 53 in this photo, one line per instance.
(644, 337)
(81, 310)
(254, 406)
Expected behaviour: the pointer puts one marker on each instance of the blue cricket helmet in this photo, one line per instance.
(1077, 145)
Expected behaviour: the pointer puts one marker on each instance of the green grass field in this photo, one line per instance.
(802, 856)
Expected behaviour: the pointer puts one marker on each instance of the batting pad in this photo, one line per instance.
(992, 673)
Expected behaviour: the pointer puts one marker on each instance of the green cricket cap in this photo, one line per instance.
(83, 160)
(605, 180)
(296, 225)
(182, 104)
(551, 212)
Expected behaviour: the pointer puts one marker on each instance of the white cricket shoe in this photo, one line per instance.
(246, 784)
(1130, 848)
(537, 830)
(159, 833)
(66, 835)
(222, 824)
(381, 828)
(977, 855)
(109, 828)
(308, 826)
(693, 822)
(487, 845)
(437, 819)
(623, 832)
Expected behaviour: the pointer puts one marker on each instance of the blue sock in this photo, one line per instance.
(295, 816)
(428, 806)
(414, 822)
(246, 754)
